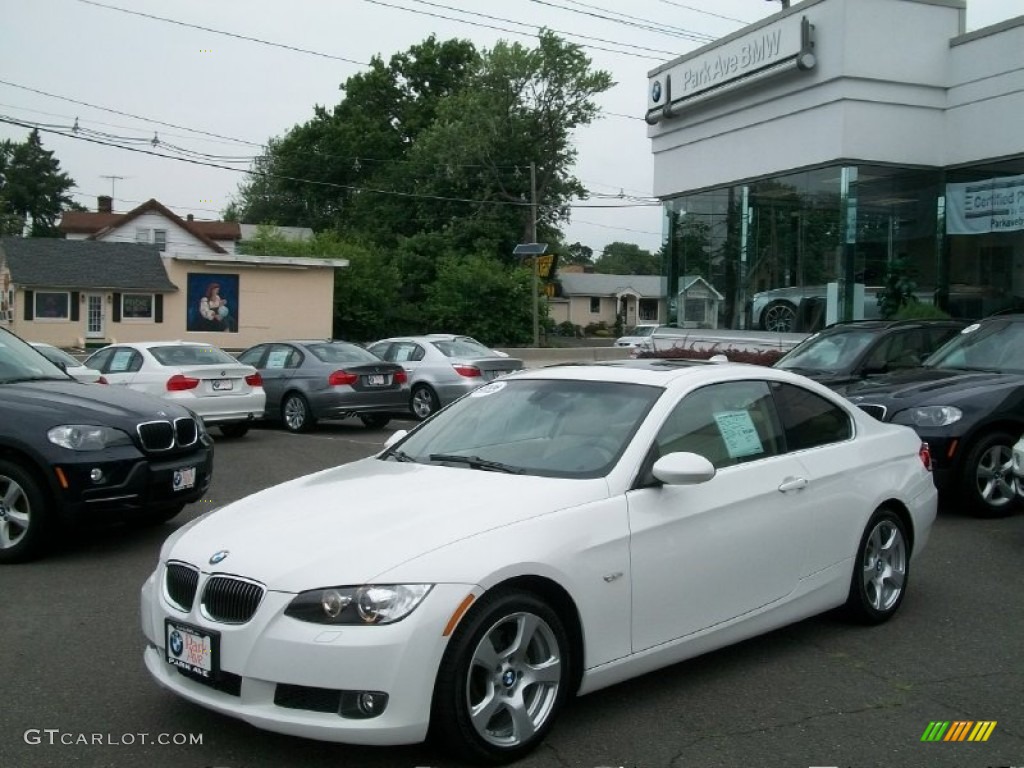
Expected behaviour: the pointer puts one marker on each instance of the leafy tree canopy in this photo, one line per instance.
(627, 259)
(33, 189)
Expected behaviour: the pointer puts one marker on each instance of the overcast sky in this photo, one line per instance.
(247, 92)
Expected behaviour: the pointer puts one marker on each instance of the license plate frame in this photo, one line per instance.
(376, 380)
(183, 479)
(223, 385)
(194, 651)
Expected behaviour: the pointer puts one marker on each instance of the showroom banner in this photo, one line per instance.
(979, 207)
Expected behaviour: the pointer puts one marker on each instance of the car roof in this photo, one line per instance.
(857, 325)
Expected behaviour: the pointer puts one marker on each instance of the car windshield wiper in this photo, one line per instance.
(23, 379)
(475, 462)
(399, 455)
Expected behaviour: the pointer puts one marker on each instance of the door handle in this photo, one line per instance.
(793, 484)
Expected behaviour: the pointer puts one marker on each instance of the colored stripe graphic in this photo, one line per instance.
(959, 730)
(935, 730)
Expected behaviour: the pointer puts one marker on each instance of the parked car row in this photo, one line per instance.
(960, 386)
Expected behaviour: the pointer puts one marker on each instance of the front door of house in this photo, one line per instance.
(94, 325)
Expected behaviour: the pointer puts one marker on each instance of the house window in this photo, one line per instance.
(160, 238)
(595, 305)
(142, 235)
(649, 309)
(137, 306)
(52, 306)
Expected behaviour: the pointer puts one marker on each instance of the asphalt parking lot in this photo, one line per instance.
(820, 693)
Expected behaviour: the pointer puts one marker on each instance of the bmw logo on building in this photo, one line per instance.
(177, 645)
(656, 91)
(219, 557)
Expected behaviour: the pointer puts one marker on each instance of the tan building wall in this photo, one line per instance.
(274, 302)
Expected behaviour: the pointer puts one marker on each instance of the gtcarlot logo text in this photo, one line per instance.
(57, 737)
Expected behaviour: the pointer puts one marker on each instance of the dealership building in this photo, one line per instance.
(840, 152)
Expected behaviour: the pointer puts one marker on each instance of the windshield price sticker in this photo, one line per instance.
(739, 433)
(489, 389)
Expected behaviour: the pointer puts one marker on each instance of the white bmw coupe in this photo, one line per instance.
(552, 533)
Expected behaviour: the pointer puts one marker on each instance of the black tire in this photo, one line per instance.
(424, 402)
(778, 316)
(375, 420)
(880, 570)
(296, 414)
(486, 634)
(235, 430)
(160, 516)
(25, 514)
(988, 487)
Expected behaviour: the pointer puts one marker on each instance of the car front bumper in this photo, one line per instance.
(273, 655)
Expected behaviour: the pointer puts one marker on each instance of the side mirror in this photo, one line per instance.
(395, 437)
(683, 469)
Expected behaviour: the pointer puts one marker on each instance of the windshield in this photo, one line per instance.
(995, 346)
(19, 361)
(191, 354)
(463, 348)
(827, 353)
(55, 355)
(342, 353)
(552, 428)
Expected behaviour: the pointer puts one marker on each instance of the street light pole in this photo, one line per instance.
(533, 239)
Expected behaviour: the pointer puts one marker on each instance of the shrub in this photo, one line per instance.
(766, 357)
(920, 311)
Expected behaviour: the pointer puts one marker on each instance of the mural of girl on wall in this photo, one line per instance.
(212, 303)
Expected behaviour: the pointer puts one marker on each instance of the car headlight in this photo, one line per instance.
(368, 604)
(202, 432)
(929, 416)
(87, 437)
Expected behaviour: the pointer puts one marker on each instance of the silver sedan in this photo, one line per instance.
(442, 368)
(306, 381)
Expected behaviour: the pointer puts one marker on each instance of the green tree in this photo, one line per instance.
(576, 254)
(627, 259)
(33, 189)
(480, 296)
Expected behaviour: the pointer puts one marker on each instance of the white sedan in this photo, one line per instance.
(550, 534)
(214, 385)
(68, 364)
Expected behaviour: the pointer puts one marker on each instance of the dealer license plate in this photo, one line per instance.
(220, 385)
(193, 650)
(184, 479)
(376, 380)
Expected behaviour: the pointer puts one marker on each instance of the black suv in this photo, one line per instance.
(846, 353)
(73, 452)
(967, 403)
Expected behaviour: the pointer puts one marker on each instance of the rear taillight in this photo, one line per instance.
(179, 383)
(255, 380)
(401, 376)
(469, 371)
(926, 456)
(339, 378)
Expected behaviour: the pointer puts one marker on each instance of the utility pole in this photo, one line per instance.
(533, 239)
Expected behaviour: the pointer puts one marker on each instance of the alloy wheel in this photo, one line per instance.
(994, 477)
(15, 512)
(884, 565)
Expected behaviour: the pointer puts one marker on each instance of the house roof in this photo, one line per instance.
(686, 282)
(98, 224)
(594, 284)
(49, 262)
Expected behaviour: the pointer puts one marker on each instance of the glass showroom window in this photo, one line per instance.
(137, 306)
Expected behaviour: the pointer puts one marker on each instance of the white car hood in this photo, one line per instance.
(346, 525)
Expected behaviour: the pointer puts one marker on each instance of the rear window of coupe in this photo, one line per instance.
(191, 355)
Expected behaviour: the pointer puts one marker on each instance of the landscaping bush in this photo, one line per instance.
(766, 357)
(918, 310)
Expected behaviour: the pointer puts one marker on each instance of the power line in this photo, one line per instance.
(647, 26)
(334, 185)
(247, 38)
(706, 13)
(511, 31)
(128, 114)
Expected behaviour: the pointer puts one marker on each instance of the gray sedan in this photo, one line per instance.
(306, 381)
(442, 368)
